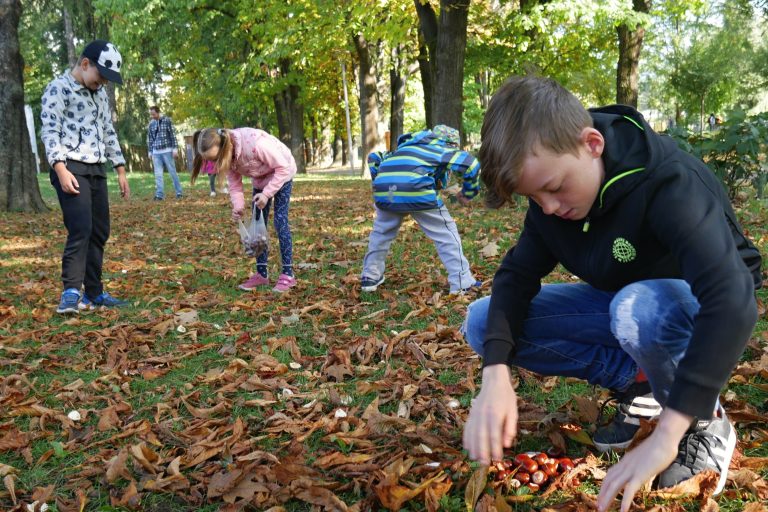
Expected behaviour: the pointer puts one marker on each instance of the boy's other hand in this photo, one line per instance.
(645, 461)
(237, 215)
(67, 180)
(492, 422)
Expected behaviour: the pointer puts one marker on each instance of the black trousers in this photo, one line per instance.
(86, 217)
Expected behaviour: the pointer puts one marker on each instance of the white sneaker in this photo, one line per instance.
(213, 194)
(708, 445)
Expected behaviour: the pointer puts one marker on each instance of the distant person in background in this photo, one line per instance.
(712, 121)
(209, 168)
(163, 148)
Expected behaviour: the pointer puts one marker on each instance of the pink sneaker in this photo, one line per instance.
(284, 283)
(254, 281)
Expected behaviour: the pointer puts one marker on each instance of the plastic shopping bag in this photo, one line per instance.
(254, 237)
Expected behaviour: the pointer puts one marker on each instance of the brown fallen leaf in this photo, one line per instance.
(128, 498)
(223, 481)
(338, 458)
(751, 481)
(756, 463)
(700, 486)
(77, 504)
(315, 495)
(434, 493)
(108, 419)
(490, 250)
(116, 467)
(13, 439)
(5, 469)
(10, 486)
(475, 486)
(393, 496)
(203, 413)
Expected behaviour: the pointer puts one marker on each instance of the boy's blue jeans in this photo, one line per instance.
(575, 330)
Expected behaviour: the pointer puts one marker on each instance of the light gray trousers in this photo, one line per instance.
(438, 225)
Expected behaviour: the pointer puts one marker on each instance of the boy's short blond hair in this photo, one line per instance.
(525, 113)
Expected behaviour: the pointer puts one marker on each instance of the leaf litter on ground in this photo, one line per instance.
(324, 396)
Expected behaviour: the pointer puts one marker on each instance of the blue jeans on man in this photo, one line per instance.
(575, 330)
(160, 162)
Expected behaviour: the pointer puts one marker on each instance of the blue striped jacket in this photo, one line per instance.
(408, 178)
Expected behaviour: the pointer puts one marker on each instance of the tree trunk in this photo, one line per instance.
(69, 37)
(627, 69)
(369, 105)
(397, 80)
(336, 151)
(483, 79)
(290, 118)
(297, 129)
(281, 112)
(19, 190)
(427, 51)
(315, 144)
(451, 47)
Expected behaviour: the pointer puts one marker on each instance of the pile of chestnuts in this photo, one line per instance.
(531, 469)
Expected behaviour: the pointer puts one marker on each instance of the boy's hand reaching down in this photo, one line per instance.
(492, 423)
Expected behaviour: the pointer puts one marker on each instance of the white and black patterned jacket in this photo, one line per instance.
(77, 124)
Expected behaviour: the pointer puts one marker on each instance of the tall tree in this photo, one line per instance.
(397, 80)
(631, 34)
(451, 48)
(446, 58)
(369, 101)
(19, 190)
(427, 52)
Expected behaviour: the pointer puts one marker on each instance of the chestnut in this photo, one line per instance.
(521, 457)
(529, 466)
(541, 458)
(538, 477)
(501, 475)
(534, 487)
(565, 464)
(523, 477)
(550, 468)
(514, 483)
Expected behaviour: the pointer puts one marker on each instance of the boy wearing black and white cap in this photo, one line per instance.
(79, 137)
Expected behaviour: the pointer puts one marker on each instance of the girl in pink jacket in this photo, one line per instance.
(271, 167)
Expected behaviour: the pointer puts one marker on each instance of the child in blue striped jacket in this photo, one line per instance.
(406, 182)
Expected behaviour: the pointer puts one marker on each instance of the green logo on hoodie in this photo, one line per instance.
(623, 251)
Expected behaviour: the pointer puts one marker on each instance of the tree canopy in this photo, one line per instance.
(277, 62)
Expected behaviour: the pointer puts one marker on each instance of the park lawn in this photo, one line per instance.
(202, 397)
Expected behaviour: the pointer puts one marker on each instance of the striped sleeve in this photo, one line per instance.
(469, 167)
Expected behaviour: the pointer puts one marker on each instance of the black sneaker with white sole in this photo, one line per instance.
(708, 445)
(634, 404)
(369, 285)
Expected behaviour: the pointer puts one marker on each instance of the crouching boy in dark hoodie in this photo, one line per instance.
(666, 303)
